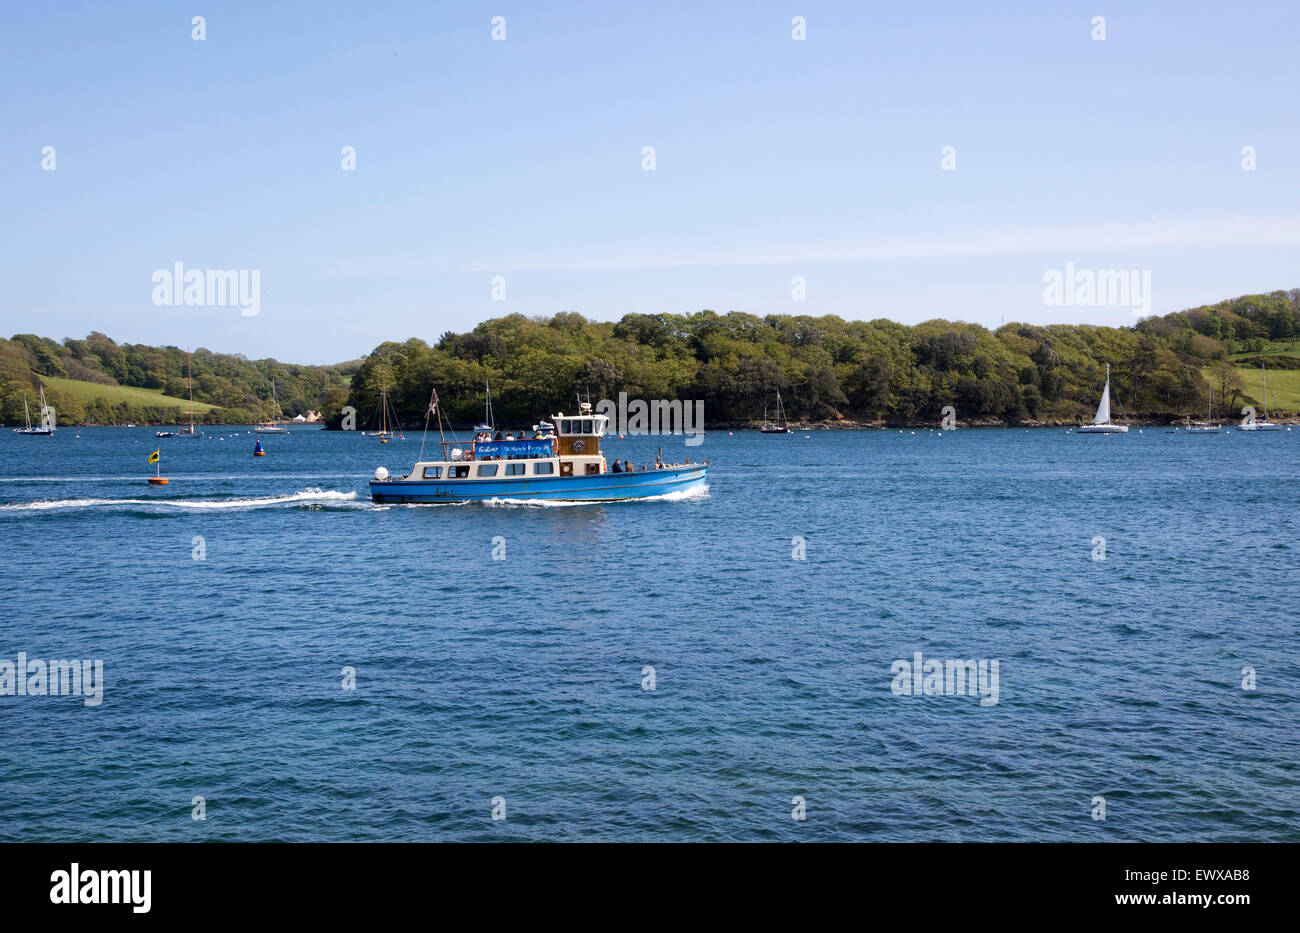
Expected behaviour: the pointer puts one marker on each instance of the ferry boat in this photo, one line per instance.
(565, 464)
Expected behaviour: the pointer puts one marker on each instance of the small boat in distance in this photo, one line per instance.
(1101, 421)
(565, 464)
(780, 426)
(189, 386)
(1207, 426)
(1264, 424)
(489, 424)
(273, 426)
(45, 428)
(384, 408)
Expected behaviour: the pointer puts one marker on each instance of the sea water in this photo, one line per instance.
(282, 659)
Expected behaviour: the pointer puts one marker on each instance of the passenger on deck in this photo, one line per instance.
(499, 436)
(627, 466)
(618, 467)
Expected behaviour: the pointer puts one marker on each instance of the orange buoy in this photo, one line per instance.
(158, 481)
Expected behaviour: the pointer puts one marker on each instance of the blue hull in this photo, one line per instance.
(607, 487)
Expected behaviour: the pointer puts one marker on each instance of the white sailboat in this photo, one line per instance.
(1101, 421)
(46, 425)
(781, 426)
(1207, 426)
(273, 426)
(1265, 424)
(489, 424)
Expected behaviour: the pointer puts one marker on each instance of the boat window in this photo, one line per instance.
(487, 469)
(544, 466)
(433, 472)
(586, 427)
(458, 472)
(516, 469)
(566, 427)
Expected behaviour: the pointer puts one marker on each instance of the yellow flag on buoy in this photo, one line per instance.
(153, 457)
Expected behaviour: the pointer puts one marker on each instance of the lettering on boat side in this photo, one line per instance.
(38, 678)
(956, 677)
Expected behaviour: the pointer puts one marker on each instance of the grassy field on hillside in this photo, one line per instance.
(1283, 389)
(1289, 348)
(85, 392)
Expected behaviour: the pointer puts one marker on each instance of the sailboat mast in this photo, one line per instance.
(1264, 375)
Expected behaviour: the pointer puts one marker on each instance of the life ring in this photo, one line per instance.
(579, 446)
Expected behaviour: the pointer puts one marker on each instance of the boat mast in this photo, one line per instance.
(189, 385)
(1264, 375)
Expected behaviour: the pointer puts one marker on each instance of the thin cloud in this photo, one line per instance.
(1073, 239)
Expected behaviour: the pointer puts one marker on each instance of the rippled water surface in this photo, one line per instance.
(522, 678)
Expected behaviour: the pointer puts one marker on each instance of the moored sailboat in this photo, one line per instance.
(1207, 426)
(780, 426)
(1101, 423)
(385, 408)
(45, 427)
(273, 426)
(1263, 424)
(189, 387)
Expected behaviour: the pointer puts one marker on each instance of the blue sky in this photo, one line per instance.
(522, 158)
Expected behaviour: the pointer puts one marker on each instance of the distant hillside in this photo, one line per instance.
(96, 381)
(830, 369)
(826, 368)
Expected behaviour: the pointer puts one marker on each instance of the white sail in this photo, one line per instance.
(1103, 410)
(47, 422)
